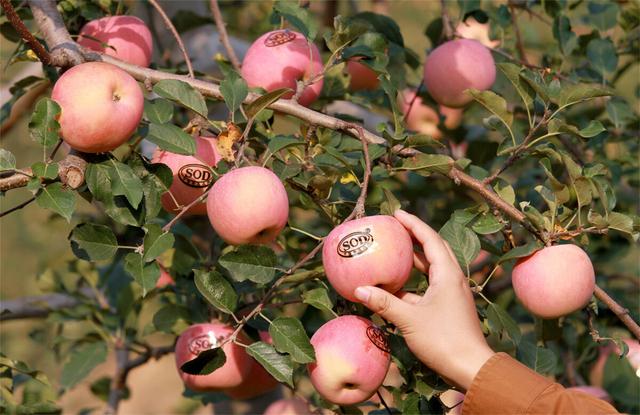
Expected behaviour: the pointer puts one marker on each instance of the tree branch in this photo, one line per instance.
(447, 27)
(64, 51)
(36, 306)
(71, 171)
(175, 34)
(621, 312)
(18, 207)
(224, 37)
(516, 28)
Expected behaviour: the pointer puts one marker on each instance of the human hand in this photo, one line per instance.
(442, 327)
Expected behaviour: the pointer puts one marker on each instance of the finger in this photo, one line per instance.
(451, 254)
(420, 262)
(432, 244)
(384, 304)
(408, 297)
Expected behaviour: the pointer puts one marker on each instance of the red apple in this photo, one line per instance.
(248, 205)
(279, 59)
(292, 406)
(456, 66)
(352, 359)
(374, 250)
(362, 77)
(201, 337)
(124, 37)
(101, 106)
(191, 176)
(554, 281)
(593, 391)
(596, 375)
(424, 119)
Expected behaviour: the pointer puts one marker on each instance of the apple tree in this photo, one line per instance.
(537, 147)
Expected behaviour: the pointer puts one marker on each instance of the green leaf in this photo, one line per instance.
(438, 163)
(567, 40)
(520, 251)
(495, 104)
(487, 224)
(390, 203)
(145, 274)
(619, 112)
(575, 93)
(234, 90)
(206, 362)
(602, 55)
(98, 179)
(171, 138)
(279, 142)
(216, 289)
(505, 191)
(55, 197)
(262, 102)
(279, 366)
(594, 128)
(7, 160)
(124, 182)
(602, 15)
(248, 262)
(622, 223)
(318, 298)
(382, 24)
(82, 361)
(156, 242)
(499, 320)
(172, 319)
(464, 243)
(158, 111)
(289, 337)
(512, 73)
(182, 93)
(540, 359)
(301, 19)
(45, 170)
(44, 125)
(93, 242)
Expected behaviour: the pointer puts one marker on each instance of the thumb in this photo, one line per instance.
(384, 304)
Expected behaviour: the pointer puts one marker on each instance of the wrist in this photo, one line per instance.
(471, 365)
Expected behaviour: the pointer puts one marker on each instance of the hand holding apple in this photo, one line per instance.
(352, 359)
(442, 327)
(374, 250)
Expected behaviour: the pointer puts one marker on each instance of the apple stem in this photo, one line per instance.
(359, 210)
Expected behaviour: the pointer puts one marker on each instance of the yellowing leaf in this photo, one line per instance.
(348, 178)
(226, 140)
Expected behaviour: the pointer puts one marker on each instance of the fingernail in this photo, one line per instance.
(362, 294)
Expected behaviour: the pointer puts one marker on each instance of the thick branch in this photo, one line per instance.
(621, 312)
(36, 306)
(175, 34)
(224, 37)
(71, 171)
(64, 51)
(15, 179)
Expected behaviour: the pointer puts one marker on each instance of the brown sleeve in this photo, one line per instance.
(505, 386)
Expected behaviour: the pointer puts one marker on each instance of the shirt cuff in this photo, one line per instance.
(503, 385)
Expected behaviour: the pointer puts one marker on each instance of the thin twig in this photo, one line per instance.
(516, 28)
(24, 33)
(224, 37)
(18, 207)
(176, 35)
(383, 402)
(184, 210)
(620, 312)
(413, 100)
(530, 65)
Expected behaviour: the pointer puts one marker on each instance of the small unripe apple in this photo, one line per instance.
(593, 391)
(470, 28)
(374, 250)
(554, 281)
(352, 359)
(248, 205)
(292, 406)
(126, 37)
(279, 59)
(200, 337)
(165, 278)
(456, 66)
(362, 77)
(596, 375)
(190, 176)
(424, 119)
(101, 106)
